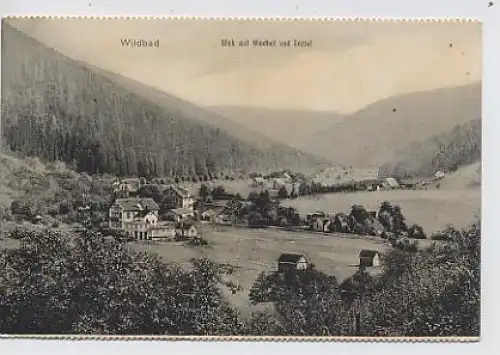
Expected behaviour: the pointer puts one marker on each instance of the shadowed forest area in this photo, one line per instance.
(56, 108)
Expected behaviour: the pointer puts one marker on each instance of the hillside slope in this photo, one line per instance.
(56, 108)
(43, 186)
(375, 134)
(468, 176)
(446, 151)
(291, 127)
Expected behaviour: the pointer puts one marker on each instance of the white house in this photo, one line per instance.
(439, 175)
(186, 230)
(140, 226)
(125, 210)
(162, 232)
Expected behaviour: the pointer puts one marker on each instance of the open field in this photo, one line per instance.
(241, 186)
(256, 250)
(432, 209)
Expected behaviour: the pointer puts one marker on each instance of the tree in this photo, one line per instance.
(282, 192)
(203, 192)
(98, 286)
(307, 301)
(65, 207)
(17, 207)
(256, 220)
(417, 232)
(264, 323)
(435, 292)
(304, 189)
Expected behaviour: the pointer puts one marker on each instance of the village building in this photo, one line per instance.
(179, 214)
(139, 226)
(186, 230)
(328, 226)
(178, 197)
(390, 183)
(315, 220)
(369, 258)
(258, 182)
(439, 174)
(124, 187)
(162, 232)
(291, 261)
(208, 214)
(125, 210)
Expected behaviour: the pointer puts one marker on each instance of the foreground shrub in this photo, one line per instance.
(416, 232)
(90, 284)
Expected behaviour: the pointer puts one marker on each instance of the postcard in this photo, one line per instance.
(184, 178)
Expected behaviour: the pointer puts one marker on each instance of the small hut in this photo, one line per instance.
(291, 261)
(368, 258)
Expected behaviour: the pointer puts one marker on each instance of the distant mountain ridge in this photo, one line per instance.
(375, 134)
(291, 127)
(56, 108)
(371, 136)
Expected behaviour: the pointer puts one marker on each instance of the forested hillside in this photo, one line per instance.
(446, 151)
(56, 108)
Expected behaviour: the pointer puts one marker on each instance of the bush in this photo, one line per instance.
(198, 242)
(448, 234)
(65, 207)
(18, 207)
(416, 232)
(80, 288)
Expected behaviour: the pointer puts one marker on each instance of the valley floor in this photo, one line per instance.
(255, 250)
(432, 209)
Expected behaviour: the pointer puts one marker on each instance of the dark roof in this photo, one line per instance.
(365, 253)
(289, 258)
(137, 204)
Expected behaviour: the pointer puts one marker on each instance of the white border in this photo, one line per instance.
(477, 9)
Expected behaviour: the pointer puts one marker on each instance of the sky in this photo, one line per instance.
(349, 65)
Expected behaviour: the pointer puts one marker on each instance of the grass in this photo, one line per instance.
(432, 209)
(255, 250)
(241, 186)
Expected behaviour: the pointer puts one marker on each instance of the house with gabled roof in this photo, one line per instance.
(179, 197)
(125, 210)
(368, 258)
(186, 230)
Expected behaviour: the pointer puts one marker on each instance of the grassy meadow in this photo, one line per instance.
(255, 250)
(433, 209)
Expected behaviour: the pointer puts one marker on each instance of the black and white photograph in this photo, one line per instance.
(240, 178)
